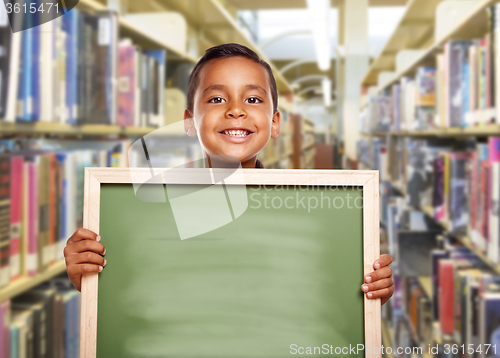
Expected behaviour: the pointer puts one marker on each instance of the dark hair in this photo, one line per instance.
(227, 51)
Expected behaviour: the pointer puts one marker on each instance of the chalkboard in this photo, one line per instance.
(200, 265)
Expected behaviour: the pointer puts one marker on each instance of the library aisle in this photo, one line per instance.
(406, 87)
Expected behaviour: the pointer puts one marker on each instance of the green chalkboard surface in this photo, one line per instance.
(273, 280)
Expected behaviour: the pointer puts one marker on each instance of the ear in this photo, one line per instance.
(276, 125)
(189, 127)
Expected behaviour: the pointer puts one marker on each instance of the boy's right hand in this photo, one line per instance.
(83, 254)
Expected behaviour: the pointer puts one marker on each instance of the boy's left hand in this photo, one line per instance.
(379, 284)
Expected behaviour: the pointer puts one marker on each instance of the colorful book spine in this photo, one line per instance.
(52, 209)
(446, 296)
(30, 219)
(70, 27)
(4, 219)
(126, 84)
(494, 220)
(16, 191)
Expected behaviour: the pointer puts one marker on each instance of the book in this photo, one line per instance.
(24, 319)
(16, 192)
(70, 43)
(98, 68)
(456, 72)
(494, 212)
(490, 323)
(5, 205)
(126, 83)
(446, 293)
(30, 216)
(459, 215)
(157, 83)
(425, 97)
(10, 43)
(414, 254)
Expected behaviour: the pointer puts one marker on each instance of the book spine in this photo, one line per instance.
(446, 295)
(32, 208)
(36, 73)
(5, 172)
(46, 65)
(51, 254)
(496, 65)
(17, 164)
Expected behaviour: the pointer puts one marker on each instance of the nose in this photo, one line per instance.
(235, 110)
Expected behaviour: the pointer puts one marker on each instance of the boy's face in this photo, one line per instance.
(233, 109)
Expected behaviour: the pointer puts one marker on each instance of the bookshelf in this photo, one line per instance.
(464, 239)
(412, 31)
(66, 129)
(147, 40)
(25, 283)
(137, 34)
(221, 28)
(470, 26)
(451, 132)
(473, 127)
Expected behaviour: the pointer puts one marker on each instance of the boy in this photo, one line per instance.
(233, 105)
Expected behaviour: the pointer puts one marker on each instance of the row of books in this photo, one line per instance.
(457, 183)
(459, 91)
(460, 304)
(464, 306)
(42, 323)
(444, 292)
(372, 153)
(74, 70)
(41, 202)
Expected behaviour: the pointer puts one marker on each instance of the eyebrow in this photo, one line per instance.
(214, 87)
(222, 87)
(256, 87)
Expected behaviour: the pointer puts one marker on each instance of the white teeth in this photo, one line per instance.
(237, 133)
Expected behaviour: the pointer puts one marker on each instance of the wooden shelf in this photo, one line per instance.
(483, 131)
(138, 35)
(218, 25)
(25, 283)
(67, 129)
(468, 27)
(465, 240)
(426, 284)
(395, 186)
(415, 27)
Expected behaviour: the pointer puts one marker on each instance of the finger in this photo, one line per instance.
(84, 246)
(379, 274)
(86, 257)
(78, 270)
(383, 293)
(383, 260)
(83, 234)
(377, 285)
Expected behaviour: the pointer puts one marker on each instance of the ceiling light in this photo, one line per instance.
(319, 11)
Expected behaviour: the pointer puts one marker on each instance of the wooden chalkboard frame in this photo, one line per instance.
(367, 179)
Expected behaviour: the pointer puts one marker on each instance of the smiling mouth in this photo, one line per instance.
(236, 133)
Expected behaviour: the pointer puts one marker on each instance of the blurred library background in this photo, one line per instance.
(406, 87)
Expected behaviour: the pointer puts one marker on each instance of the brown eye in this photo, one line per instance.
(254, 100)
(217, 100)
